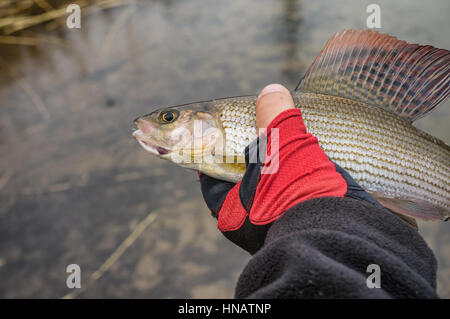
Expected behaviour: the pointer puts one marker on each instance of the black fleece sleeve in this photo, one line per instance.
(321, 248)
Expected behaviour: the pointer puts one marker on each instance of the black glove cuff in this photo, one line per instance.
(214, 192)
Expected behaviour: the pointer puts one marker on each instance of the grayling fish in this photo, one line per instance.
(359, 98)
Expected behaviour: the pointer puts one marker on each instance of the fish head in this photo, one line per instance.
(181, 133)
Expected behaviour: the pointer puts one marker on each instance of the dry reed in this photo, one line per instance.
(17, 16)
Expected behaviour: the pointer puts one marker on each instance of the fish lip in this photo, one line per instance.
(161, 150)
(149, 146)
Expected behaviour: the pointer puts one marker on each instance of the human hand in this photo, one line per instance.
(247, 209)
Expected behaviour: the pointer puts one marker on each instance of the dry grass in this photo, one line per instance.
(17, 16)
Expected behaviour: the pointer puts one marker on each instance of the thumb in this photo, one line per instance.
(272, 100)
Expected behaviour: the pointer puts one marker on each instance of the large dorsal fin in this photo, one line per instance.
(378, 69)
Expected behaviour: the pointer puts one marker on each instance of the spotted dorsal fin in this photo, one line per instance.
(378, 69)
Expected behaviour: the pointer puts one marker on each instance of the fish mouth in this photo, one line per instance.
(148, 146)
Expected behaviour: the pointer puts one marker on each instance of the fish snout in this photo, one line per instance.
(145, 126)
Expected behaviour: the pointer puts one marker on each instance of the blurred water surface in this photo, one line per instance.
(74, 184)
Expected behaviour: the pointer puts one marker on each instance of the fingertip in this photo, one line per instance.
(272, 100)
(274, 87)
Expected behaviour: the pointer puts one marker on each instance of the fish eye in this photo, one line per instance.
(166, 117)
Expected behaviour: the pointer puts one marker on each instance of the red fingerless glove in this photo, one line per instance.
(246, 210)
(304, 171)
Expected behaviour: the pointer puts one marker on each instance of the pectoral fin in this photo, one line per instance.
(414, 208)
